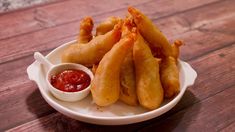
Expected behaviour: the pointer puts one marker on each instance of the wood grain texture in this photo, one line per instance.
(196, 117)
(213, 30)
(209, 70)
(196, 18)
(59, 122)
(18, 96)
(210, 115)
(34, 19)
(205, 26)
(44, 39)
(229, 128)
(217, 68)
(55, 14)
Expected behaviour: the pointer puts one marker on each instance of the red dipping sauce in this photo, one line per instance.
(71, 80)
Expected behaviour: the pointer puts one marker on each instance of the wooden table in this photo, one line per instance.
(206, 26)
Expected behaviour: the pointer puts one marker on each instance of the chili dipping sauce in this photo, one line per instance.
(71, 80)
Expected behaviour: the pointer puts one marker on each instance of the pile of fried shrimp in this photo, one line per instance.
(131, 59)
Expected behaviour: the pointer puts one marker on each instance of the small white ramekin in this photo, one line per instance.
(55, 69)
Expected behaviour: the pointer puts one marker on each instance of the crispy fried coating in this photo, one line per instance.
(157, 41)
(127, 78)
(176, 49)
(131, 59)
(127, 74)
(105, 87)
(169, 77)
(94, 68)
(85, 31)
(93, 52)
(128, 26)
(107, 25)
(149, 88)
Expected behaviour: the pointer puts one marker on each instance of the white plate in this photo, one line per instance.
(116, 114)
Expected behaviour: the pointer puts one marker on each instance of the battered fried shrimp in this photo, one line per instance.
(127, 73)
(127, 78)
(176, 49)
(105, 87)
(107, 25)
(149, 88)
(169, 77)
(128, 26)
(85, 31)
(93, 52)
(151, 34)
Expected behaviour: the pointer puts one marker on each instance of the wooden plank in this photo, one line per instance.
(52, 15)
(55, 14)
(192, 19)
(207, 38)
(18, 105)
(19, 96)
(200, 115)
(27, 44)
(229, 128)
(197, 44)
(164, 8)
(43, 124)
(226, 23)
(188, 119)
(213, 30)
(211, 114)
(59, 122)
(216, 68)
(211, 68)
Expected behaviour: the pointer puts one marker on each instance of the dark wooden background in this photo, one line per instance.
(206, 26)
